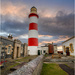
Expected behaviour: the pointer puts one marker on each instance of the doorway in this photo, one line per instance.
(38, 52)
(67, 51)
(17, 52)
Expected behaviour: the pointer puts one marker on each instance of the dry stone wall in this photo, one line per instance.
(34, 67)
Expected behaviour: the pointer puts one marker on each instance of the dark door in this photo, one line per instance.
(38, 52)
(67, 51)
(17, 52)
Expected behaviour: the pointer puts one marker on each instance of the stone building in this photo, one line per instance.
(69, 47)
(52, 49)
(12, 48)
(49, 48)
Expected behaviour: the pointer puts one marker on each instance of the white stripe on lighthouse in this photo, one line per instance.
(32, 50)
(33, 19)
(33, 33)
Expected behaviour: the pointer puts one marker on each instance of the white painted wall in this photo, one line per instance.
(32, 50)
(67, 44)
(55, 49)
(43, 49)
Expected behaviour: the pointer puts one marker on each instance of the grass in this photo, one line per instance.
(26, 59)
(8, 68)
(12, 63)
(46, 55)
(52, 69)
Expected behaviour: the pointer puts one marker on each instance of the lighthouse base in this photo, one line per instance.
(32, 50)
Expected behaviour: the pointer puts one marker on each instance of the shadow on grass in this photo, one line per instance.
(52, 69)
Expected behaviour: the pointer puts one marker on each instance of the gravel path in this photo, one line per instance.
(67, 69)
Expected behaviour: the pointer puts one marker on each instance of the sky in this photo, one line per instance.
(56, 20)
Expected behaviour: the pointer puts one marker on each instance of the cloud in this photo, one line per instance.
(43, 40)
(51, 25)
(46, 13)
(45, 36)
(4, 33)
(14, 12)
(25, 36)
(62, 24)
(55, 41)
(59, 48)
(20, 10)
(14, 27)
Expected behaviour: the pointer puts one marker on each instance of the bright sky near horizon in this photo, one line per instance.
(56, 22)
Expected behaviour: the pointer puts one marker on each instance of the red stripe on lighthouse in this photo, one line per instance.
(33, 14)
(32, 42)
(33, 26)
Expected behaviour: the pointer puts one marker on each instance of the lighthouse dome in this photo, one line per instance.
(33, 9)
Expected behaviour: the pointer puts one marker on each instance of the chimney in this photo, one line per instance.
(10, 36)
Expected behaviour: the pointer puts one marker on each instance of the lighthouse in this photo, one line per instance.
(33, 32)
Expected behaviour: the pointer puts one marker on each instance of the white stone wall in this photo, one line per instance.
(67, 44)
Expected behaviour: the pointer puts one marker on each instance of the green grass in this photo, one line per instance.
(8, 68)
(52, 69)
(12, 63)
(46, 55)
(26, 59)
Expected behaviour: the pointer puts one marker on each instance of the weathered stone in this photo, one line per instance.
(32, 68)
(25, 49)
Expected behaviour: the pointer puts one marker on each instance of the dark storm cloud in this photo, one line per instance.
(62, 24)
(14, 26)
(24, 40)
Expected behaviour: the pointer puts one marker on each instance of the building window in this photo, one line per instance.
(44, 51)
(71, 47)
(12, 49)
(3, 54)
(64, 48)
(9, 47)
(4, 48)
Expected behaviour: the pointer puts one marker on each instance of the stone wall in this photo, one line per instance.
(25, 49)
(17, 49)
(12, 48)
(6, 41)
(34, 67)
(66, 44)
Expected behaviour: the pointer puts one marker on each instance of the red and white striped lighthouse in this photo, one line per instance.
(33, 32)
